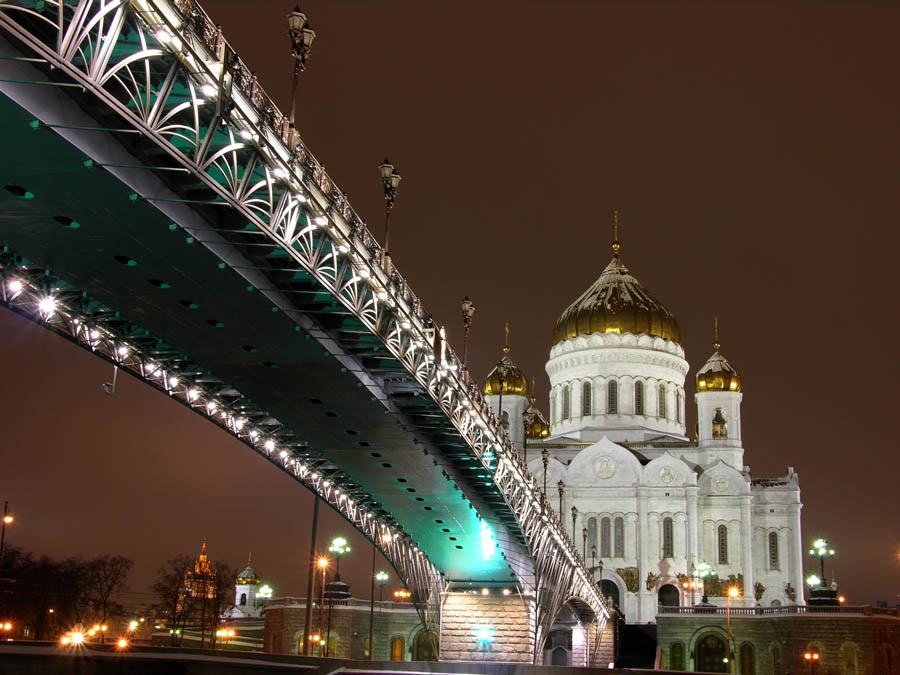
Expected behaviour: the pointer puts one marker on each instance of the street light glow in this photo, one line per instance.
(322, 562)
(813, 580)
(733, 592)
(47, 305)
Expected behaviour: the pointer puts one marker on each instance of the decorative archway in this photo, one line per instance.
(669, 596)
(427, 646)
(610, 590)
(710, 654)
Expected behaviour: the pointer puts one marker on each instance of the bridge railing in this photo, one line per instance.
(301, 160)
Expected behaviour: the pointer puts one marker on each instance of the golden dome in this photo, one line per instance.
(538, 427)
(616, 303)
(248, 576)
(717, 374)
(512, 382)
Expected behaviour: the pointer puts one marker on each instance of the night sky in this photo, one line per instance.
(752, 151)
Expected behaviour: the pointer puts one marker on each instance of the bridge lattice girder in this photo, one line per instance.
(149, 64)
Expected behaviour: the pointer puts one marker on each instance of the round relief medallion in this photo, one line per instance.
(605, 467)
(720, 484)
(667, 474)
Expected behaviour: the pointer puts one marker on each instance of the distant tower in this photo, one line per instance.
(718, 400)
(246, 589)
(506, 386)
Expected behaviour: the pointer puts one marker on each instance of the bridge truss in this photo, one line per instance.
(162, 68)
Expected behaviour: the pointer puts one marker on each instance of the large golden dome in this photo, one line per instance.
(616, 303)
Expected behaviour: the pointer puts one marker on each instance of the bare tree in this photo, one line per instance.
(108, 574)
(170, 590)
(222, 596)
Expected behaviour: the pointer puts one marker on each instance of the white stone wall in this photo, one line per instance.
(627, 359)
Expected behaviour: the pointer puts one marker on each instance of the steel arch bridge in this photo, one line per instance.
(158, 210)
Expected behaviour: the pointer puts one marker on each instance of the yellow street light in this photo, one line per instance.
(122, 643)
(7, 519)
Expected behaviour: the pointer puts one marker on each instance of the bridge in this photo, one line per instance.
(159, 210)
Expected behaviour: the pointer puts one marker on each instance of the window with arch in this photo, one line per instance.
(676, 656)
(604, 537)
(553, 406)
(566, 402)
(638, 398)
(619, 538)
(723, 544)
(612, 397)
(592, 533)
(586, 403)
(504, 419)
(773, 550)
(848, 657)
(719, 425)
(748, 659)
(668, 539)
(678, 406)
(243, 599)
(397, 648)
(776, 660)
(661, 401)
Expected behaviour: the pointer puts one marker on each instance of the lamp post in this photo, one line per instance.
(562, 490)
(302, 37)
(574, 519)
(593, 559)
(703, 570)
(812, 658)
(528, 418)
(323, 565)
(584, 534)
(733, 593)
(821, 550)
(381, 578)
(339, 547)
(468, 311)
(390, 181)
(545, 458)
(7, 520)
(310, 581)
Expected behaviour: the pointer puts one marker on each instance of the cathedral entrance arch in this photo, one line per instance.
(669, 596)
(710, 655)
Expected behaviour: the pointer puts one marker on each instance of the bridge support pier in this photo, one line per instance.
(487, 627)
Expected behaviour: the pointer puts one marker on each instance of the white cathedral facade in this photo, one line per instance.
(651, 509)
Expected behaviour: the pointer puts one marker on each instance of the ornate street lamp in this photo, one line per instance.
(545, 458)
(390, 181)
(584, 534)
(821, 550)
(380, 577)
(562, 490)
(468, 311)
(703, 570)
(339, 547)
(302, 37)
(574, 519)
(733, 593)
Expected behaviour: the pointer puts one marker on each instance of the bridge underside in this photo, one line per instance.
(84, 224)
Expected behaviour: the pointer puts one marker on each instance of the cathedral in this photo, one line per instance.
(661, 518)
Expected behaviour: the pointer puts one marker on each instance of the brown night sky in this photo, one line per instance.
(751, 149)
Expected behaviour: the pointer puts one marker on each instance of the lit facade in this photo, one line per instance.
(651, 503)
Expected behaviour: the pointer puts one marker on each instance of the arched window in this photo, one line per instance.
(592, 533)
(586, 408)
(612, 397)
(243, 599)
(678, 406)
(638, 398)
(553, 407)
(776, 660)
(661, 401)
(604, 538)
(566, 403)
(504, 419)
(397, 649)
(719, 425)
(427, 646)
(676, 656)
(773, 550)
(723, 544)
(668, 539)
(748, 659)
(848, 656)
(619, 538)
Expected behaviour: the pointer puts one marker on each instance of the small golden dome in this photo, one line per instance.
(538, 427)
(717, 374)
(505, 378)
(616, 303)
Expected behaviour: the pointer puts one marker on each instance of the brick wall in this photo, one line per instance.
(507, 617)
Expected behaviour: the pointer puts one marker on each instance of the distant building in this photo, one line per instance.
(199, 580)
(250, 595)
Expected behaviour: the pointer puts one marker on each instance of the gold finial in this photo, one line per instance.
(615, 243)
(506, 347)
(716, 332)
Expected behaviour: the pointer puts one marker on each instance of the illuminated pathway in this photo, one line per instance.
(162, 213)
